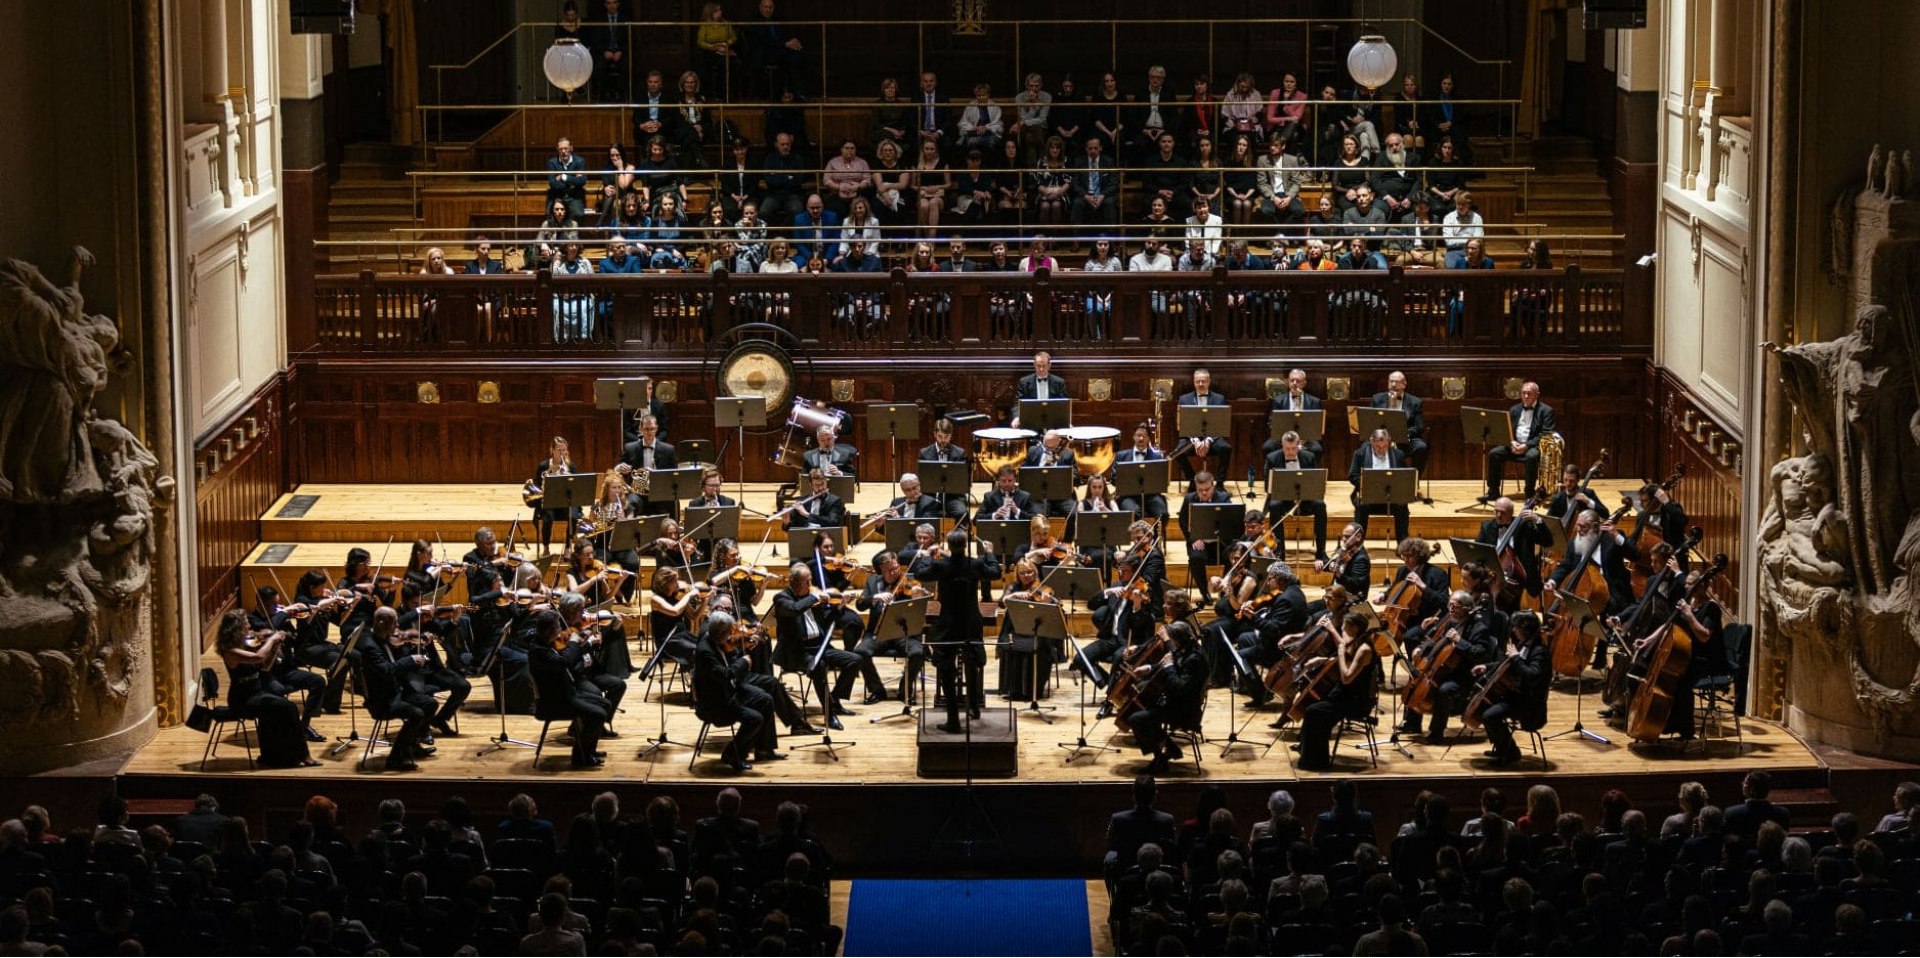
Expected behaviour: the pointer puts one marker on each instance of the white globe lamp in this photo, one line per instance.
(568, 65)
(1372, 62)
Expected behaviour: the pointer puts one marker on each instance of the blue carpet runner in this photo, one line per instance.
(963, 917)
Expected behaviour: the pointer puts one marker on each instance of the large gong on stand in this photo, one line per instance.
(753, 361)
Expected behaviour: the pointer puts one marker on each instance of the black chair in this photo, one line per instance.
(223, 716)
(380, 712)
(706, 726)
(548, 713)
(1725, 693)
(1362, 726)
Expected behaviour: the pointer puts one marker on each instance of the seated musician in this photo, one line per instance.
(1475, 632)
(366, 592)
(959, 576)
(1378, 453)
(314, 610)
(487, 552)
(1042, 383)
(1231, 590)
(388, 660)
(1254, 535)
(802, 613)
(1007, 501)
(606, 633)
(1349, 691)
(1705, 621)
(1530, 419)
(1350, 564)
(757, 685)
(1277, 610)
(1216, 450)
(820, 509)
(650, 452)
(437, 675)
(943, 449)
(558, 655)
(495, 622)
(597, 580)
(1659, 511)
(829, 454)
(1593, 533)
(710, 496)
(1293, 456)
(1571, 498)
(430, 578)
(1665, 590)
(1295, 399)
(1322, 631)
(558, 463)
(1025, 660)
(1124, 614)
(1432, 580)
(1395, 396)
(1525, 540)
(447, 625)
(673, 547)
(926, 537)
(1143, 450)
(284, 675)
(1053, 451)
(730, 575)
(614, 504)
(888, 583)
(252, 691)
(912, 503)
(1045, 549)
(1526, 704)
(1098, 499)
(1201, 552)
(1178, 697)
(720, 697)
(674, 608)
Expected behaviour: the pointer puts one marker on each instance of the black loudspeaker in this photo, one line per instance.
(320, 16)
(1615, 14)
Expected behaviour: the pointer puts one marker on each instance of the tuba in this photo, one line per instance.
(1553, 452)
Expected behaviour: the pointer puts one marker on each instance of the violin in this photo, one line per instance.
(1337, 566)
(747, 573)
(594, 569)
(1252, 607)
(1061, 552)
(745, 637)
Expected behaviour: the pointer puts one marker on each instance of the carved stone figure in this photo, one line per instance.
(1875, 161)
(78, 502)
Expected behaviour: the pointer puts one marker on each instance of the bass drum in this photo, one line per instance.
(998, 446)
(803, 421)
(1093, 451)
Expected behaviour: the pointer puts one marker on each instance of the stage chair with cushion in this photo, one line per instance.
(548, 713)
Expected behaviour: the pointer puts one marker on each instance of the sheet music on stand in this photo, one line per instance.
(707, 523)
(1296, 485)
(1035, 620)
(1136, 479)
(636, 533)
(1363, 420)
(1311, 424)
(1215, 521)
(902, 619)
(1047, 483)
(1005, 534)
(674, 484)
(1102, 530)
(944, 478)
(1041, 415)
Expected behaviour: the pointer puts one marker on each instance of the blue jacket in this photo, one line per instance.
(810, 239)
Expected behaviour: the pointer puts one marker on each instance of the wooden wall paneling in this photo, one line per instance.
(239, 472)
(1711, 489)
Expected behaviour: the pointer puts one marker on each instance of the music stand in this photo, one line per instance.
(1486, 428)
(1215, 522)
(707, 523)
(1041, 620)
(635, 533)
(737, 413)
(1101, 530)
(694, 452)
(1582, 612)
(573, 491)
(896, 421)
(1141, 479)
(1386, 487)
(621, 394)
(945, 479)
(1005, 534)
(899, 532)
(1295, 486)
(900, 620)
(1047, 483)
(1041, 415)
(1214, 421)
(673, 485)
(1311, 424)
(1559, 531)
(1471, 550)
(842, 487)
(1080, 744)
(1363, 420)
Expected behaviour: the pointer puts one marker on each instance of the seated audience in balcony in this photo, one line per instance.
(1287, 110)
(860, 225)
(847, 176)
(1418, 236)
(1358, 256)
(1449, 175)
(1152, 113)
(1351, 171)
(1199, 116)
(1204, 225)
(1360, 120)
(737, 182)
(788, 116)
(772, 49)
(1365, 218)
(1450, 119)
(787, 183)
(1008, 178)
(779, 258)
(1106, 115)
(651, 111)
(719, 47)
(567, 178)
(1205, 181)
(1410, 118)
(1032, 114)
(1394, 178)
(1313, 258)
(728, 256)
(620, 258)
(665, 236)
(604, 219)
(892, 115)
(1164, 176)
(620, 169)
(931, 181)
(688, 126)
(558, 227)
(1463, 223)
(1052, 184)
(1473, 255)
(750, 232)
(1244, 108)
(957, 261)
(1278, 178)
(573, 313)
(483, 263)
(1068, 118)
(659, 177)
(1095, 186)
(981, 124)
(973, 188)
(814, 228)
(892, 185)
(1328, 130)
(1241, 184)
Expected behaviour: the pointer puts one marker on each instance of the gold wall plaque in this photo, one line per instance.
(428, 393)
(969, 18)
(1276, 386)
(666, 390)
(843, 390)
(1099, 390)
(488, 393)
(1339, 388)
(1161, 389)
(1453, 387)
(1510, 387)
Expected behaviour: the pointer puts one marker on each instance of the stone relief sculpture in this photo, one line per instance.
(79, 496)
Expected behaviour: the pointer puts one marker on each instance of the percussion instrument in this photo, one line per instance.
(803, 421)
(1092, 446)
(998, 446)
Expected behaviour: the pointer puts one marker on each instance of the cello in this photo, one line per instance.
(1660, 664)
(1129, 689)
(1434, 665)
(1500, 681)
(1283, 676)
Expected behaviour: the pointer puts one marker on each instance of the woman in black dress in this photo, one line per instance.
(251, 691)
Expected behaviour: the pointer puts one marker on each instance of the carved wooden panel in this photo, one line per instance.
(240, 471)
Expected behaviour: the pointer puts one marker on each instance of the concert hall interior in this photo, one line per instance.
(939, 432)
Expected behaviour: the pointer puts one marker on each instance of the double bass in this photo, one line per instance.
(1615, 689)
(1567, 637)
(1661, 663)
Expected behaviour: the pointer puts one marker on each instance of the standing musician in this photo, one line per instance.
(889, 582)
(436, 676)
(1477, 629)
(1351, 565)
(557, 463)
(710, 496)
(250, 659)
(648, 453)
(1053, 451)
(1292, 455)
(1181, 695)
(1396, 397)
(1040, 384)
(1434, 584)
(758, 686)
(674, 610)
(1527, 703)
(943, 449)
(1143, 450)
(1379, 453)
(1530, 419)
(1659, 510)
(1021, 655)
(1201, 552)
(1526, 540)
(606, 632)
(1295, 399)
(284, 673)
(720, 698)
(558, 654)
(959, 577)
(820, 509)
(1217, 450)
(804, 615)
(1595, 531)
(597, 580)
(314, 610)
(388, 660)
(1571, 498)
(829, 454)
(1007, 500)
(1351, 696)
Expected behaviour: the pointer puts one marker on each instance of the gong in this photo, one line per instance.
(759, 368)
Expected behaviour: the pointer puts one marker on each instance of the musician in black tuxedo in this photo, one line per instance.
(630, 423)
(1293, 456)
(1143, 450)
(804, 618)
(1527, 541)
(1124, 617)
(1202, 552)
(755, 684)
(717, 702)
(1660, 510)
(1042, 383)
(944, 449)
(1527, 703)
(1053, 451)
(960, 637)
(1395, 396)
(710, 496)
(650, 452)
(1571, 498)
(1480, 629)
(911, 503)
(836, 458)
(881, 588)
(819, 509)
(1295, 399)
(554, 659)
(1530, 419)
(1594, 533)
(1379, 453)
(611, 663)
(1182, 696)
(388, 666)
(1217, 450)
(1007, 500)
(1284, 616)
